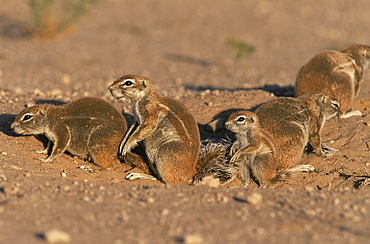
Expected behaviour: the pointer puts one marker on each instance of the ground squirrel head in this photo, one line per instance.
(360, 53)
(131, 87)
(32, 120)
(328, 104)
(241, 122)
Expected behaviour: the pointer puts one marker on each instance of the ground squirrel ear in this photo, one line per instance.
(252, 119)
(323, 99)
(42, 112)
(145, 83)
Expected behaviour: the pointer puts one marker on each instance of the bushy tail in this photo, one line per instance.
(214, 160)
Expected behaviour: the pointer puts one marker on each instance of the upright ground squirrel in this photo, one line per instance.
(167, 128)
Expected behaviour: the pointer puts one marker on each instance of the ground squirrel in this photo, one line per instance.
(294, 123)
(338, 73)
(253, 149)
(167, 128)
(89, 128)
(252, 153)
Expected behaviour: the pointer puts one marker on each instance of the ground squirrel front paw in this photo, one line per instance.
(139, 176)
(42, 151)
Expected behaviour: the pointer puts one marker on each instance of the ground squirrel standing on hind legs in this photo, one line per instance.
(89, 127)
(338, 73)
(253, 148)
(251, 155)
(167, 128)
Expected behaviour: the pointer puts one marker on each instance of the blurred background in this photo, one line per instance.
(78, 47)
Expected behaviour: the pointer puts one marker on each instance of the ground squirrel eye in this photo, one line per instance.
(27, 117)
(335, 104)
(128, 83)
(241, 119)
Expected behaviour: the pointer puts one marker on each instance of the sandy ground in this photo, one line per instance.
(181, 46)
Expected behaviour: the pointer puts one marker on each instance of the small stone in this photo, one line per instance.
(216, 92)
(15, 167)
(63, 174)
(2, 176)
(65, 188)
(66, 79)
(255, 199)
(193, 239)
(165, 212)
(336, 201)
(37, 92)
(28, 175)
(57, 236)
(4, 153)
(222, 198)
(151, 200)
(210, 181)
(18, 90)
(56, 92)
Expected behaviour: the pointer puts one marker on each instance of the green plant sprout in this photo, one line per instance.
(243, 49)
(50, 17)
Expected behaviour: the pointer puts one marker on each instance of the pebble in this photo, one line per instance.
(255, 199)
(193, 239)
(336, 201)
(63, 174)
(210, 181)
(151, 200)
(4, 153)
(65, 188)
(165, 212)
(57, 236)
(56, 92)
(2, 176)
(65, 79)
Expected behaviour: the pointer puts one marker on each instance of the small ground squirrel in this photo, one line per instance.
(251, 155)
(89, 128)
(294, 123)
(253, 149)
(167, 128)
(338, 73)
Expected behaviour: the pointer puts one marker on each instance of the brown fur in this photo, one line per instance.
(294, 123)
(167, 128)
(214, 160)
(338, 73)
(253, 150)
(89, 127)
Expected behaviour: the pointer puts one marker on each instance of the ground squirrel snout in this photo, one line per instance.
(89, 128)
(167, 128)
(338, 73)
